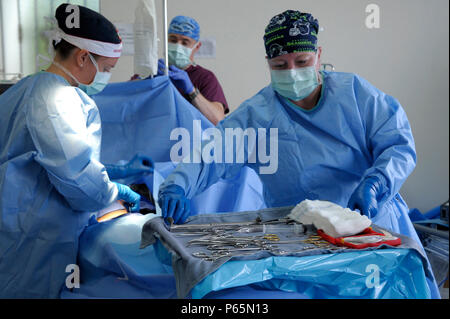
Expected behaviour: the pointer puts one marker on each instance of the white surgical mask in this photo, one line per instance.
(179, 55)
(101, 80)
(295, 84)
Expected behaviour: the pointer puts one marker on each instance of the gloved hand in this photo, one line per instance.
(161, 67)
(137, 165)
(131, 198)
(173, 203)
(365, 197)
(181, 79)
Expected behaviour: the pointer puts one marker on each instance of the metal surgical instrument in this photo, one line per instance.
(228, 226)
(215, 255)
(240, 238)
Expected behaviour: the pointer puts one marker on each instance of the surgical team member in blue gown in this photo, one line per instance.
(50, 174)
(339, 138)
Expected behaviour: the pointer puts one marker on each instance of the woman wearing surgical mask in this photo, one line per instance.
(51, 178)
(296, 77)
(339, 138)
(87, 71)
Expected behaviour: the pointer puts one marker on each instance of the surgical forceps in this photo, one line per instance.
(226, 226)
(220, 251)
(317, 241)
(217, 254)
(271, 237)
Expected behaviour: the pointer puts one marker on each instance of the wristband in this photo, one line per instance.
(193, 95)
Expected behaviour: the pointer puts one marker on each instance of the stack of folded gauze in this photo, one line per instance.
(331, 218)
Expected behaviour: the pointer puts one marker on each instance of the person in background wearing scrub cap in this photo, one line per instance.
(51, 179)
(198, 85)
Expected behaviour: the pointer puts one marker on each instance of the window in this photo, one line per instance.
(22, 39)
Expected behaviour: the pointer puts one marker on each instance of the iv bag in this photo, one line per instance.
(145, 39)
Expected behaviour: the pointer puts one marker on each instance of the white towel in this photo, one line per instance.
(333, 219)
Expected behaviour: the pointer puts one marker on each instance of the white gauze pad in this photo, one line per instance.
(331, 218)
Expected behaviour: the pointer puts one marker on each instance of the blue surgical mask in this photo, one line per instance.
(295, 84)
(101, 80)
(179, 55)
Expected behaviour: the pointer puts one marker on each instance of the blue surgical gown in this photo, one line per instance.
(355, 131)
(50, 179)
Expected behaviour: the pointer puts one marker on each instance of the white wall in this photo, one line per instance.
(10, 17)
(407, 57)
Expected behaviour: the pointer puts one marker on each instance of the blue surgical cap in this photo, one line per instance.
(185, 26)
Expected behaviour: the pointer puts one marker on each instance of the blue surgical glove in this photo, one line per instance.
(365, 197)
(161, 67)
(137, 165)
(181, 79)
(173, 203)
(131, 198)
